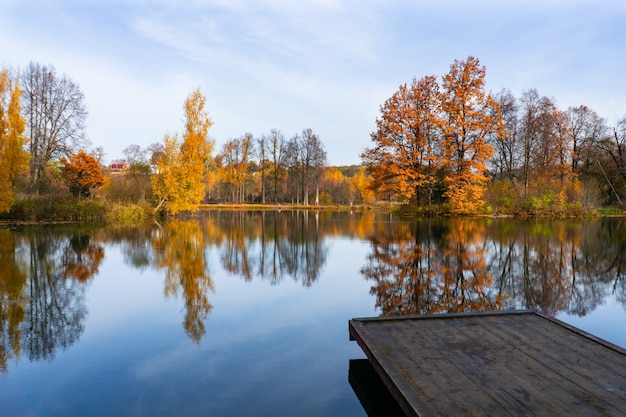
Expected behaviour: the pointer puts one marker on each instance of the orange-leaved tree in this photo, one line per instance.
(13, 157)
(403, 161)
(471, 116)
(82, 173)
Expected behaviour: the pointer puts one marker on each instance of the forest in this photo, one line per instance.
(445, 146)
(458, 145)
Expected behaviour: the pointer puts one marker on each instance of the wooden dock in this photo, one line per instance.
(494, 364)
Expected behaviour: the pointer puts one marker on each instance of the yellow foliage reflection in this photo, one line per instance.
(180, 248)
(12, 300)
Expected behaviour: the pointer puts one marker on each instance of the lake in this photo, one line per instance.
(245, 313)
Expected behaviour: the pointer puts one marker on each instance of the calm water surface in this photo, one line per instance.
(246, 313)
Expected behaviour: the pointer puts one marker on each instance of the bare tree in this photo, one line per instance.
(294, 166)
(261, 151)
(134, 154)
(506, 142)
(56, 114)
(614, 145)
(306, 160)
(157, 152)
(586, 129)
(277, 153)
(316, 160)
(99, 153)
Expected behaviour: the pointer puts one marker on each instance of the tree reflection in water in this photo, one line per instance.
(429, 267)
(12, 301)
(42, 292)
(270, 244)
(179, 248)
(416, 267)
(453, 265)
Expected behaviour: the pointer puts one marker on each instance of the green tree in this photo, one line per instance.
(13, 157)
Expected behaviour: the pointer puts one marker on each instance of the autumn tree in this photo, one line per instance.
(236, 154)
(56, 113)
(403, 161)
(179, 183)
(471, 115)
(82, 173)
(167, 184)
(362, 187)
(548, 158)
(337, 187)
(13, 158)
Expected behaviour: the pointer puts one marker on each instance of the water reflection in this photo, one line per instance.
(460, 265)
(81, 258)
(179, 249)
(270, 245)
(42, 306)
(415, 267)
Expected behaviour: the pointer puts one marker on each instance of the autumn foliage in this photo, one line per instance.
(82, 173)
(179, 183)
(13, 158)
(431, 142)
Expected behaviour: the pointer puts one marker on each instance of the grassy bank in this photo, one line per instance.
(69, 210)
(297, 207)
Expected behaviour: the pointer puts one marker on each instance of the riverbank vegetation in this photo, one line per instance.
(445, 147)
(455, 146)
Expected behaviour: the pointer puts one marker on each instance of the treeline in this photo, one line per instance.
(450, 145)
(45, 156)
(268, 169)
(454, 144)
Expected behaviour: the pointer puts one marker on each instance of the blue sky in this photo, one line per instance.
(327, 65)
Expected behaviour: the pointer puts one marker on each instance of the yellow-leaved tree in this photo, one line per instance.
(13, 157)
(179, 183)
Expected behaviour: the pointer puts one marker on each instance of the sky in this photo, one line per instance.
(327, 65)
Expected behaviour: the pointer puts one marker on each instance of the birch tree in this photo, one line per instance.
(179, 183)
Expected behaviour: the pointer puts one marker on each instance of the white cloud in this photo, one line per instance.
(326, 64)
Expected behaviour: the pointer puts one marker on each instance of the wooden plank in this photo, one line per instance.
(515, 364)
